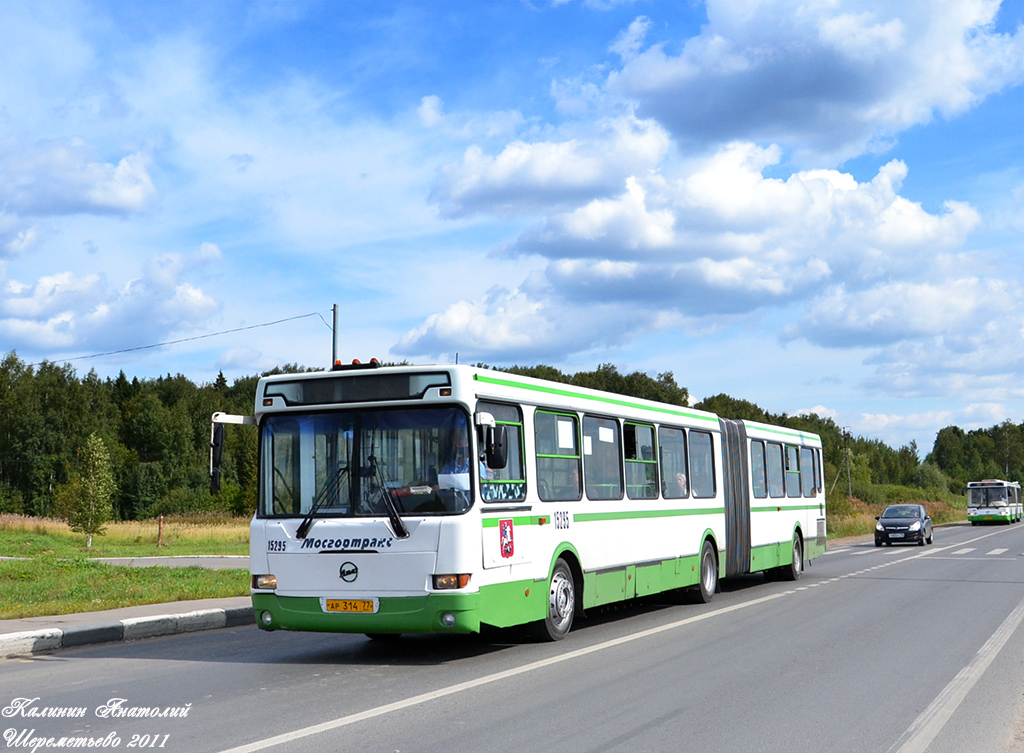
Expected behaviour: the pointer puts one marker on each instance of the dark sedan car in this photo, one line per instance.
(900, 524)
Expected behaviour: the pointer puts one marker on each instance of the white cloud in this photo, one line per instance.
(61, 178)
(526, 177)
(826, 79)
(899, 311)
(66, 312)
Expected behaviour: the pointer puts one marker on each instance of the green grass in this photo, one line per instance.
(854, 517)
(54, 574)
(52, 585)
(22, 536)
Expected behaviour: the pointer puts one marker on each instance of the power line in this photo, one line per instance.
(189, 339)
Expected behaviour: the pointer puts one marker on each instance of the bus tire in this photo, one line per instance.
(706, 587)
(561, 604)
(793, 570)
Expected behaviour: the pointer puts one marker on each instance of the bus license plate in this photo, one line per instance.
(350, 605)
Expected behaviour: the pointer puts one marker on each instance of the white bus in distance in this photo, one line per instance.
(415, 499)
(994, 501)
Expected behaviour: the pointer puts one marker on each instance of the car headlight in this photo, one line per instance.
(879, 526)
(916, 526)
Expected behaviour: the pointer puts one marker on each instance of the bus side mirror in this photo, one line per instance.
(497, 446)
(216, 451)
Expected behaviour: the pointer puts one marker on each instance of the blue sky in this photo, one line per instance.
(812, 205)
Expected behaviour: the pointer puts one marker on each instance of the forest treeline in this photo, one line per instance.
(157, 436)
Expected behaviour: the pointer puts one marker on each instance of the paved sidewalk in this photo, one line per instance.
(39, 635)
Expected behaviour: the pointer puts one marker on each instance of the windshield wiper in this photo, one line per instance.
(397, 525)
(327, 491)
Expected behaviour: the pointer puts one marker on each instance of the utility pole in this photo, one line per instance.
(334, 338)
(846, 446)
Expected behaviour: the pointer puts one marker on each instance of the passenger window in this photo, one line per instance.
(641, 462)
(558, 456)
(601, 458)
(702, 465)
(792, 471)
(807, 484)
(672, 450)
(506, 484)
(758, 475)
(776, 472)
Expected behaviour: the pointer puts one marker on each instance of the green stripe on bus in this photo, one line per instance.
(591, 517)
(785, 508)
(522, 520)
(596, 398)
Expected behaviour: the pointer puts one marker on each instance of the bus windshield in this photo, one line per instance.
(987, 497)
(352, 463)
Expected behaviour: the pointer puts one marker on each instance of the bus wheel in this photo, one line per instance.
(705, 590)
(561, 604)
(792, 572)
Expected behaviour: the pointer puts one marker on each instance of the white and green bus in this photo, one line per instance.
(994, 501)
(419, 499)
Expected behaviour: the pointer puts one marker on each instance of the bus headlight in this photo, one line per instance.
(448, 582)
(264, 582)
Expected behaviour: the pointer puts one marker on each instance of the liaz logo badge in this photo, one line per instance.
(508, 545)
(348, 572)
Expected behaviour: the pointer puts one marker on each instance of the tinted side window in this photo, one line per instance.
(641, 462)
(506, 484)
(776, 473)
(558, 455)
(601, 458)
(758, 472)
(702, 464)
(807, 484)
(672, 449)
(792, 471)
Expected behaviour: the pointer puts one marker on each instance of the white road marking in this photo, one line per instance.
(487, 679)
(997, 552)
(965, 550)
(977, 667)
(925, 728)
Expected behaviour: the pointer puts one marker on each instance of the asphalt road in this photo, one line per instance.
(900, 649)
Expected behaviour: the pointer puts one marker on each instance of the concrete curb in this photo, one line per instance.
(47, 640)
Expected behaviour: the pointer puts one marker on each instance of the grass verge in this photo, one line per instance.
(53, 573)
(22, 536)
(854, 517)
(53, 585)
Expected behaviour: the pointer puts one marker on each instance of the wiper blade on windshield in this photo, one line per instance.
(326, 492)
(397, 525)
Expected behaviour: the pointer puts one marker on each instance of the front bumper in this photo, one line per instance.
(414, 614)
(900, 537)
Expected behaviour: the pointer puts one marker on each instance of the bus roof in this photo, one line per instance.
(500, 385)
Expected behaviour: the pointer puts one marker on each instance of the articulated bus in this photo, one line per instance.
(420, 499)
(994, 501)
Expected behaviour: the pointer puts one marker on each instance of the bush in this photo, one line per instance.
(10, 500)
(185, 501)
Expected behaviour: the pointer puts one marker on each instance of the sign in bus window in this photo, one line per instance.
(506, 484)
(702, 465)
(601, 453)
(558, 456)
